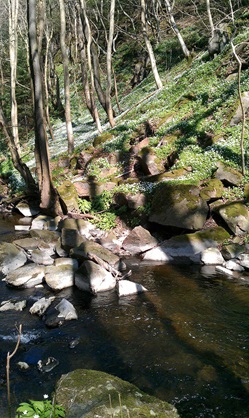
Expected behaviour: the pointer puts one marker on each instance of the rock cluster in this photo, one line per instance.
(60, 253)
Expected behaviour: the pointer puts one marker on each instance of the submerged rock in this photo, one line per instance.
(46, 366)
(98, 394)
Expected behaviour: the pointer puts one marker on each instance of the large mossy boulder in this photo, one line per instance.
(236, 216)
(98, 394)
(179, 205)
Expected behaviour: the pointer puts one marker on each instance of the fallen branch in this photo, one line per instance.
(117, 274)
(9, 356)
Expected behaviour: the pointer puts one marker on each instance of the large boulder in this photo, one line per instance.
(93, 278)
(60, 276)
(98, 394)
(228, 175)
(26, 276)
(11, 257)
(139, 240)
(188, 247)
(179, 205)
(236, 216)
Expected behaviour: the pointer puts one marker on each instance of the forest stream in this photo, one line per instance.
(185, 341)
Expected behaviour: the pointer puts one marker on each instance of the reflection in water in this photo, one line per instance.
(185, 341)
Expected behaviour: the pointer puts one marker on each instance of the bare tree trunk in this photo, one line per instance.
(13, 14)
(243, 113)
(49, 200)
(89, 62)
(84, 75)
(211, 23)
(69, 126)
(109, 65)
(48, 39)
(176, 30)
(157, 78)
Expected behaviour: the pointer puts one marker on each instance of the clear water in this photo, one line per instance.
(185, 341)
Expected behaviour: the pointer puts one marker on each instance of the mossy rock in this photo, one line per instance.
(102, 138)
(212, 189)
(69, 196)
(228, 174)
(236, 216)
(179, 205)
(98, 394)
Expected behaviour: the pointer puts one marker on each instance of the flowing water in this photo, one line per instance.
(185, 341)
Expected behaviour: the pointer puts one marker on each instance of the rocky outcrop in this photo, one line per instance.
(98, 394)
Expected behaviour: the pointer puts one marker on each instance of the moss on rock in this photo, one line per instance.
(90, 393)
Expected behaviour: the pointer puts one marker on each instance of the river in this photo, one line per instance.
(185, 341)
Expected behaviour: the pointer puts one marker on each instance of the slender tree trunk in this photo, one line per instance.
(210, 18)
(109, 65)
(69, 126)
(13, 41)
(89, 63)
(49, 200)
(83, 63)
(157, 78)
(48, 39)
(243, 113)
(176, 30)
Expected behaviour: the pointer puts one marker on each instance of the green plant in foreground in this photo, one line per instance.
(40, 409)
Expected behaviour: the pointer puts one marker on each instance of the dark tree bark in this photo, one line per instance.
(49, 200)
